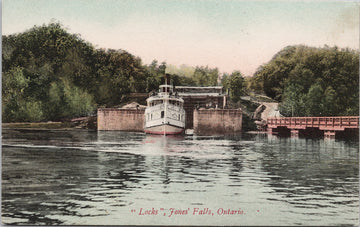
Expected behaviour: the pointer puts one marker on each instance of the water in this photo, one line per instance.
(98, 178)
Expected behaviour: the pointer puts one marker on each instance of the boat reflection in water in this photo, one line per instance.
(82, 177)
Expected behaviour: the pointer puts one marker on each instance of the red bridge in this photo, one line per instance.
(328, 126)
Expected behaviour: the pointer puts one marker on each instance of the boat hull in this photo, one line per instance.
(164, 130)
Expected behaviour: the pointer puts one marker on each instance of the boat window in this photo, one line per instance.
(157, 102)
(151, 116)
(179, 117)
(162, 114)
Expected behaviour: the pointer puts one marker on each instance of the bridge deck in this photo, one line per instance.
(323, 123)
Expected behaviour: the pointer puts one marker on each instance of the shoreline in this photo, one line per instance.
(64, 126)
(39, 125)
(88, 123)
(256, 132)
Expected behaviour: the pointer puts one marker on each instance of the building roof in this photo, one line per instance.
(199, 94)
(192, 90)
(197, 87)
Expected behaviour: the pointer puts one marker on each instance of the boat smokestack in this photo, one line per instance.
(167, 78)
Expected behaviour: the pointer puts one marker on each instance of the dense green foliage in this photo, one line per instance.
(194, 76)
(235, 85)
(312, 81)
(49, 74)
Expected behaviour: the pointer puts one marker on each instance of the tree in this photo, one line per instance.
(310, 70)
(67, 100)
(205, 76)
(328, 102)
(314, 101)
(235, 84)
(16, 105)
(293, 104)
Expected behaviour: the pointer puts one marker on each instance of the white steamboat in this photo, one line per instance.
(165, 114)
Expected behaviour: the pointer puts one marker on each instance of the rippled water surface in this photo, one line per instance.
(91, 178)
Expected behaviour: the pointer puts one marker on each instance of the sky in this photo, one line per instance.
(228, 34)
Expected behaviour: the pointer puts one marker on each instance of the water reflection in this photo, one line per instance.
(83, 177)
(313, 174)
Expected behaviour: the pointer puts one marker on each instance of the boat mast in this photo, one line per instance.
(165, 106)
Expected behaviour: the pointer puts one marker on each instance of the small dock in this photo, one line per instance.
(329, 127)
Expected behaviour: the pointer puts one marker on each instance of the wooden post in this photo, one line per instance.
(270, 130)
(294, 133)
(329, 135)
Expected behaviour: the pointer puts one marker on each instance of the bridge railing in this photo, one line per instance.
(331, 123)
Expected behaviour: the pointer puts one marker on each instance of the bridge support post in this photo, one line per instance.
(329, 135)
(294, 133)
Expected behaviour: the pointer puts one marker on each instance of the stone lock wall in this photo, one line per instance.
(190, 103)
(217, 121)
(121, 119)
(206, 121)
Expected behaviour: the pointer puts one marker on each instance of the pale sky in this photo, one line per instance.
(228, 34)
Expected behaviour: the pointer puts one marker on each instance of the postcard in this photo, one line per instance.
(180, 112)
